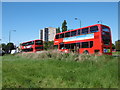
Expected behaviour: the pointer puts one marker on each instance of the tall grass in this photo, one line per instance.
(53, 69)
(54, 54)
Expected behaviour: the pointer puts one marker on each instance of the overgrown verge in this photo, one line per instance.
(54, 54)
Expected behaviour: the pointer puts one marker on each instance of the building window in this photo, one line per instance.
(46, 34)
(41, 34)
(94, 29)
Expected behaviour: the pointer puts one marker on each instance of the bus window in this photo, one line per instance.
(62, 35)
(55, 46)
(38, 47)
(73, 33)
(67, 34)
(91, 44)
(106, 40)
(24, 44)
(78, 32)
(94, 29)
(105, 33)
(57, 36)
(78, 45)
(38, 42)
(84, 30)
(73, 45)
(85, 45)
(28, 50)
(62, 46)
(67, 46)
(105, 29)
(30, 43)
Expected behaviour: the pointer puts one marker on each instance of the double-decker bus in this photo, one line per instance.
(32, 46)
(91, 39)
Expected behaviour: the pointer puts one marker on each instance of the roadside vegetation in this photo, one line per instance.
(53, 69)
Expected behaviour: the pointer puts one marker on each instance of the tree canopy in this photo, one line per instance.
(64, 26)
(117, 45)
(58, 30)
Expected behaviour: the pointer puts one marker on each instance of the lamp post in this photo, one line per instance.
(79, 20)
(100, 21)
(10, 34)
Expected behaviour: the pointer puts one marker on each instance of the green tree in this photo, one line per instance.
(3, 46)
(58, 30)
(9, 47)
(64, 27)
(113, 46)
(48, 45)
(117, 45)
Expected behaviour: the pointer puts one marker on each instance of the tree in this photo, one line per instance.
(58, 30)
(3, 46)
(117, 45)
(9, 47)
(113, 46)
(64, 27)
(48, 45)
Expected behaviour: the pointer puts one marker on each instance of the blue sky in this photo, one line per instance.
(27, 18)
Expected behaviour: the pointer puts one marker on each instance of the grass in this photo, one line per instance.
(50, 71)
(116, 53)
(0, 72)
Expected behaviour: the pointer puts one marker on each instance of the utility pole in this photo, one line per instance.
(10, 34)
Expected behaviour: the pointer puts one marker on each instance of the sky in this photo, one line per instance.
(27, 18)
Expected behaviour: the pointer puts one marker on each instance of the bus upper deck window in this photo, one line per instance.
(57, 36)
(78, 32)
(30, 43)
(62, 35)
(67, 34)
(38, 42)
(84, 30)
(105, 29)
(73, 33)
(94, 29)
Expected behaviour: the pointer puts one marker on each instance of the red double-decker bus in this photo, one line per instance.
(91, 39)
(32, 46)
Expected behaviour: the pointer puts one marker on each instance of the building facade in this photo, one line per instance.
(47, 34)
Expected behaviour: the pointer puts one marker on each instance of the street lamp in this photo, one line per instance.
(10, 34)
(100, 21)
(79, 20)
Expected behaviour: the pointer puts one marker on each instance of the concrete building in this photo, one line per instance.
(47, 34)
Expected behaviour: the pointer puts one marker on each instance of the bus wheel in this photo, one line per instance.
(86, 52)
